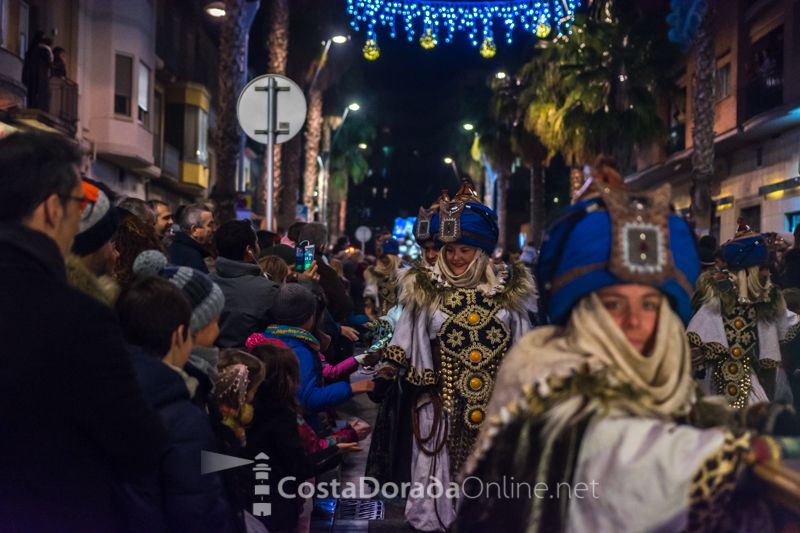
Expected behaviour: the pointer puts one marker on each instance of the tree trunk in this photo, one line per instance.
(502, 209)
(291, 181)
(537, 203)
(278, 46)
(226, 138)
(313, 137)
(703, 127)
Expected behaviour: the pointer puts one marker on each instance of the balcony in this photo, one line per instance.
(61, 114)
(172, 162)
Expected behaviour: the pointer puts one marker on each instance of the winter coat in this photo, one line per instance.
(104, 289)
(188, 500)
(185, 251)
(312, 393)
(74, 422)
(274, 431)
(339, 303)
(249, 296)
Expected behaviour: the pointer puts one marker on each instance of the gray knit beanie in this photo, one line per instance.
(293, 305)
(204, 295)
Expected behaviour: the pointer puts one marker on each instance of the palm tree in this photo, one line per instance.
(227, 137)
(690, 25)
(278, 47)
(596, 91)
(348, 163)
(313, 138)
(495, 141)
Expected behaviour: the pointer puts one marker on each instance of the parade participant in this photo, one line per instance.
(430, 248)
(380, 293)
(459, 319)
(736, 335)
(593, 399)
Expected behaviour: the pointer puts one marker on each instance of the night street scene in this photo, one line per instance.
(349, 266)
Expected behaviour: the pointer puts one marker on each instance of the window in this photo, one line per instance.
(5, 15)
(195, 124)
(24, 21)
(792, 221)
(144, 95)
(752, 217)
(722, 82)
(158, 132)
(123, 84)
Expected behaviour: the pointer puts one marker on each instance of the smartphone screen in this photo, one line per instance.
(303, 256)
(308, 257)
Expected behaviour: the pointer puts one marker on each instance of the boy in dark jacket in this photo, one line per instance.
(155, 318)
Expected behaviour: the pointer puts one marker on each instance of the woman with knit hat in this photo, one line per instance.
(591, 403)
(458, 321)
(742, 325)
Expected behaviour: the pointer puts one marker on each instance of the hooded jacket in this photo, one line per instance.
(248, 300)
(185, 251)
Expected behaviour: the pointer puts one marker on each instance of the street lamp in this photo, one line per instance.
(216, 9)
(323, 202)
(449, 161)
(326, 46)
(468, 127)
(354, 107)
(501, 75)
(362, 146)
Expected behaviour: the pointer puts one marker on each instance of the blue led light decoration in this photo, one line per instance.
(440, 20)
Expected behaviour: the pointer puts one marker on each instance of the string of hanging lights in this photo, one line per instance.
(437, 20)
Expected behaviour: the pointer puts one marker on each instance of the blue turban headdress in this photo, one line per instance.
(747, 249)
(390, 247)
(462, 220)
(617, 238)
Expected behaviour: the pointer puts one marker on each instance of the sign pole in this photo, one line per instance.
(270, 149)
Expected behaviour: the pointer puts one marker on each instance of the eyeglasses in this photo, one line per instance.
(83, 203)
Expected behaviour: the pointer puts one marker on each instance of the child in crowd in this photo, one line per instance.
(294, 312)
(155, 318)
(274, 431)
(207, 302)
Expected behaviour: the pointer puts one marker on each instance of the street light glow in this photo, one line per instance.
(468, 127)
(500, 75)
(354, 107)
(448, 160)
(362, 146)
(216, 10)
(339, 39)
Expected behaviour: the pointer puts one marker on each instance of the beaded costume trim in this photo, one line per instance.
(732, 375)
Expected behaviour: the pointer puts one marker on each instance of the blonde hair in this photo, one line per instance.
(275, 267)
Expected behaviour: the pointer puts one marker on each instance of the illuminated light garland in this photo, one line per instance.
(435, 19)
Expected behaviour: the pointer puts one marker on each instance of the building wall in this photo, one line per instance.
(109, 27)
(780, 160)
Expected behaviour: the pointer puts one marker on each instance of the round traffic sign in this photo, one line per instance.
(363, 234)
(251, 109)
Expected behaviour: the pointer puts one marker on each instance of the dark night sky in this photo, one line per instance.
(416, 99)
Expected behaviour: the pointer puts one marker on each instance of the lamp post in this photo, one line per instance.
(450, 161)
(326, 46)
(325, 181)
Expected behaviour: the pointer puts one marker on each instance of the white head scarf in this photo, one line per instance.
(479, 274)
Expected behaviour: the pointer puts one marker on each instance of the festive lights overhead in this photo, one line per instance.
(437, 20)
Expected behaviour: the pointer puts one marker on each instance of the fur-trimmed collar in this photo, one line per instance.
(718, 288)
(424, 287)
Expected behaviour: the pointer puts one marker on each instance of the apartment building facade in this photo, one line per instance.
(142, 121)
(757, 121)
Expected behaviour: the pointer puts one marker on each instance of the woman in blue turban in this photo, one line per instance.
(458, 321)
(583, 431)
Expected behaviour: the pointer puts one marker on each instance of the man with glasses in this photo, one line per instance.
(75, 423)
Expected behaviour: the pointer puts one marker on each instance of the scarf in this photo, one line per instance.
(592, 344)
(205, 359)
(479, 274)
(291, 332)
(390, 269)
(751, 290)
